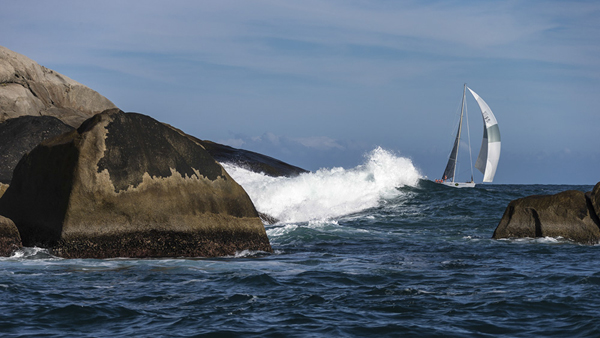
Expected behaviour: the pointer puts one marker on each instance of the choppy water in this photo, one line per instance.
(369, 251)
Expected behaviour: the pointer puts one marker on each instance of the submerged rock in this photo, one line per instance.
(125, 185)
(26, 88)
(9, 237)
(20, 135)
(566, 214)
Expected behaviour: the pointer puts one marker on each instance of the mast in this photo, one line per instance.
(450, 170)
(462, 110)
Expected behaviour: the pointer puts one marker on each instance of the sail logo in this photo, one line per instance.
(486, 117)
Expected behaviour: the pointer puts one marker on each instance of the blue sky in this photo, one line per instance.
(318, 83)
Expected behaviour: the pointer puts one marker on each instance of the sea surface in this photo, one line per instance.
(377, 250)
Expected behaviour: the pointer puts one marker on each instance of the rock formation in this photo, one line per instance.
(569, 214)
(594, 199)
(20, 135)
(9, 237)
(250, 160)
(27, 88)
(125, 185)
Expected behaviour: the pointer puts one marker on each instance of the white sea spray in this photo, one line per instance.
(328, 193)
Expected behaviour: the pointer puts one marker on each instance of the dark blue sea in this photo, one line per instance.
(377, 250)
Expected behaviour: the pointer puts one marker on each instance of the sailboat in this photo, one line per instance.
(489, 154)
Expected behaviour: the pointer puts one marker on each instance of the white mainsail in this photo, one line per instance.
(489, 155)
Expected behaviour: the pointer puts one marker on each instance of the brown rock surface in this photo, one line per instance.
(565, 214)
(26, 88)
(125, 185)
(9, 237)
(594, 199)
(3, 188)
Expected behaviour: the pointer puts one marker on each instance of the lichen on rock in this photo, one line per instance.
(10, 240)
(128, 176)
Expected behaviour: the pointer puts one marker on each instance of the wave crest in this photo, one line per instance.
(328, 193)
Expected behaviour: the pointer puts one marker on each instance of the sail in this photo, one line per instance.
(489, 155)
(451, 166)
(449, 171)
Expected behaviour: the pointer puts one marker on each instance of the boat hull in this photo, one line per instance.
(460, 184)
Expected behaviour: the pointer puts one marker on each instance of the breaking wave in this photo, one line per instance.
(328, 193)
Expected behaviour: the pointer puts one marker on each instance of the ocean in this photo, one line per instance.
(376, 250)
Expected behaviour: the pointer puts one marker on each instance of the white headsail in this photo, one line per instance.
(489, 155)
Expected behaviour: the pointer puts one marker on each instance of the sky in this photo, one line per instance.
(320, 83)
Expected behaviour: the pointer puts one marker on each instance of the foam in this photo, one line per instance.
(328, 193)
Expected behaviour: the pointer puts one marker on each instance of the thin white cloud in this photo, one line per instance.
(233, 33)
(379, 71)
(319, 142)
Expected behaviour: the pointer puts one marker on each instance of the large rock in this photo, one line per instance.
(9, 237)
(594, 199)
(20, 135)
(250, 160)
(566, 214)
(125, 185)
(26, 88)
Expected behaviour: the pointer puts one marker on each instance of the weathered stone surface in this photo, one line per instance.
(594, 199)
(26, 88)
(126, 185)
(250, 160)
(3, 188)
(267, 219)
(565, 214)
(9, 237)
(20, 135)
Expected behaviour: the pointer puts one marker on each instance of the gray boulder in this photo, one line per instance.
(125, 185)
(566, 214)
(250, 160)
(9, 237)
(26, 88)
(20, 135)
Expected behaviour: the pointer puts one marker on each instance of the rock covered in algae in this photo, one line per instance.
(126, 185)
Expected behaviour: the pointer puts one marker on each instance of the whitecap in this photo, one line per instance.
(280, 231)
(328, 193)
(32, 253)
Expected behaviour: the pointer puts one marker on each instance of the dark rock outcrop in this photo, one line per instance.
(9, 237)
(594, 199)
(125, 185)
(567, 214)
(26, 88)
(20, 135)
(250, 160)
